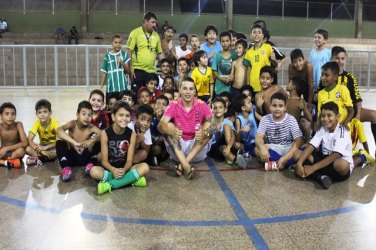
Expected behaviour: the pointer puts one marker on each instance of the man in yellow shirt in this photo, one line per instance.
(143, 45)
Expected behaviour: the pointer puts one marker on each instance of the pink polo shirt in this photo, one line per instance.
(190, 121)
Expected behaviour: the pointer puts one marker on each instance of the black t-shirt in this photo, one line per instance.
(118, 146)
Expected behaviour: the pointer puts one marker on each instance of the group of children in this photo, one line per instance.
(252, 115)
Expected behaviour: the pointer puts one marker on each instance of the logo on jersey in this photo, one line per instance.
(262, 52)
(338, 95)
(123, 146)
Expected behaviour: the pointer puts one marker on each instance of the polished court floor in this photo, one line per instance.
(223, 208)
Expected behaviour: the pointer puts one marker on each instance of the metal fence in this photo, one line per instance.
(36, 66)
(282, 8)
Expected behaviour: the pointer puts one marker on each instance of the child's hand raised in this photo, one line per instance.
(260, 100)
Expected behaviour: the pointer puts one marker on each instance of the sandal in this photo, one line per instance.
(191, 173)
(178, 170)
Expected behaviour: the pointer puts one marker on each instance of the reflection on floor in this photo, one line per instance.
(223, 208)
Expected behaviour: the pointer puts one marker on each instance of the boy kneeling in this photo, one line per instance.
(334, 160)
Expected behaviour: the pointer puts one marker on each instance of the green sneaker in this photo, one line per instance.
(140, 182)
(104, 187)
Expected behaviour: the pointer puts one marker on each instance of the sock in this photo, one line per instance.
(129, 177)
(274, 156)
(363, 159)
(107, 176)
(290, 162)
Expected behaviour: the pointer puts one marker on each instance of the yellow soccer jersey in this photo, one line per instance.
(340, 95)
(357, 132)
(256, 59)
(203, 81)
(47, 135)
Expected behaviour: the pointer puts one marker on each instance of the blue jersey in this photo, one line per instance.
(218, 135)
(250, 136)
(318, 59)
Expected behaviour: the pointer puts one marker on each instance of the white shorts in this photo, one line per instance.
(280, 149)
(186, 147)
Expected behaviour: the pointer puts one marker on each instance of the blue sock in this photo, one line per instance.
(274, 156)
(290, 162)
(363, 159)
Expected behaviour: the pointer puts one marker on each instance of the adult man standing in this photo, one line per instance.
(187, 128)
(143, 45)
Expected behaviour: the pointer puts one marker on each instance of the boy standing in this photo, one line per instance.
(257, 57)
(335, 92)
(77, 146)
(45, 127)
(298, 108)
(182, 50)
(334, 161)
(238, 70)
(195, 44)
(301, 68)
(222, 64)
(212, 45)
(114, 68)
(282, 134)
(12, 137)
(319, 55)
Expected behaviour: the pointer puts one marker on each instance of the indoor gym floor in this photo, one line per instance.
(222, 208)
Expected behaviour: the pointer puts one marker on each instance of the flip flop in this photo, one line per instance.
(178, 170)
(191, 173)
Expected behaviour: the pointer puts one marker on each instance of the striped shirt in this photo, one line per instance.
(116, 77)
(283, 133)
(339, 141)
(190, 121)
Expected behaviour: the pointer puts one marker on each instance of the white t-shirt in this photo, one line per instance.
(339, 141)
(181, 53)
(147, 135)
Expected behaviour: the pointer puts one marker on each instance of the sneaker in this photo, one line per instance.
(370, 159)
(87, 168)
(13, 163)
(32, 161)
(104, 187)
(66, 174)
(325, 181)
(229, 162)
(271, 166)
(141, 182)
(240, 161)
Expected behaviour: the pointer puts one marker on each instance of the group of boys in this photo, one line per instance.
(169, 115)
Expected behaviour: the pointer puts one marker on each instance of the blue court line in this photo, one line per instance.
(259, 221)
(244, 219)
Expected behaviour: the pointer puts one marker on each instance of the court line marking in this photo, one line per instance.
(243, 218)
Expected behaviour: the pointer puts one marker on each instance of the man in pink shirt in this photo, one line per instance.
(187, 129)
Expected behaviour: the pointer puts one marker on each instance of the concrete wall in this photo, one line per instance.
(191, 23)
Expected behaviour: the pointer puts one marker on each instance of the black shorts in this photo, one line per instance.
(328, 170)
